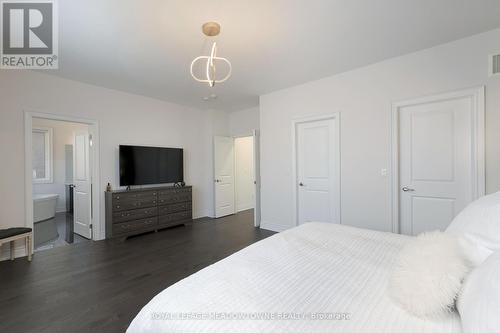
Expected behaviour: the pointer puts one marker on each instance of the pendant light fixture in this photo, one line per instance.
(211, 29)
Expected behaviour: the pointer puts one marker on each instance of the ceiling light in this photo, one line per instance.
(211, 29)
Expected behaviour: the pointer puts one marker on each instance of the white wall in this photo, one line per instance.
(364, 97)
(242, 123)
(123, 119)
(243, 166)
(63, 134)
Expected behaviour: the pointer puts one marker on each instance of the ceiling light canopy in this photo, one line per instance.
(211, 29)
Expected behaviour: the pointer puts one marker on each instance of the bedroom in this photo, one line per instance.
(356, 67)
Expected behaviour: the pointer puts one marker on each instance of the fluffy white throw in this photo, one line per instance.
(428, 274)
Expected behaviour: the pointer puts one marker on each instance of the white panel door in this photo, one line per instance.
(256, 172)
(317, 171)
(435, 163)
(82, 196)
(224, 175)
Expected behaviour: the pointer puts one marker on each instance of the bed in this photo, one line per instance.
(317, 277)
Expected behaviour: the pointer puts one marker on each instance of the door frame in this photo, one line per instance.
(257, 186)
(477, 96)
(98, 232)
(337, 190)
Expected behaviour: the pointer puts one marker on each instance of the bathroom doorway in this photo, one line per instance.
(60, 159)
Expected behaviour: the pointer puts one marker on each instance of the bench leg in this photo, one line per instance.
(28, 244)
(12, 254)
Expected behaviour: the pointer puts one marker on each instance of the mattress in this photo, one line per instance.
(317, 277)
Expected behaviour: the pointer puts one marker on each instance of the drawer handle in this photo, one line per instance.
(117, 206)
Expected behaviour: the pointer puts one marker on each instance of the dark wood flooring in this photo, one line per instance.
(101, 286)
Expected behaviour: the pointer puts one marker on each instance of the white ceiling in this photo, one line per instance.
(146, 46)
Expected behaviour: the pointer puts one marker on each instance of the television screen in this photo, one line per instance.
(150, 165)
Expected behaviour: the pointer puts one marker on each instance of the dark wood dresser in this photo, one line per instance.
(137, 211)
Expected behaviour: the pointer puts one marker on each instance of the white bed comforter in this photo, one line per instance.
(280, 283)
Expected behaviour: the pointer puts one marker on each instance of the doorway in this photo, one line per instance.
(438, 159)
(236, 175)
(316, 169)
(61, 163)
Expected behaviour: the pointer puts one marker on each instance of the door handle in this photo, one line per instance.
(217, 181)
(301, 184)
(407, 189)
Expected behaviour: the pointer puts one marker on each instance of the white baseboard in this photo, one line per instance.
(242, 207)
(19, 251)
(274, 226)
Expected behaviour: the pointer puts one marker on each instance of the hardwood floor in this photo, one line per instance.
(101, 286)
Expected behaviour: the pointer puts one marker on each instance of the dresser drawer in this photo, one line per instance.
(135, 204)
(174, 198)
(134, 226)
(135, 214)
(175, 217)
(175, 190)
(128, 196)
(174, 208)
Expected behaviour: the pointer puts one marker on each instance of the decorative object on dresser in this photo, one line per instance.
(138, 211)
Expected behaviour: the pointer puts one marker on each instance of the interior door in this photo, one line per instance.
(256, 172)
(82, 197)
(317, 174)
(224, 176)
(435, 163)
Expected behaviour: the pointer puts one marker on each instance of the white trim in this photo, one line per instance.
(477, 96)
(98, 226)
(337, 201)
(274, 226)
(245, 206)
(49, 155)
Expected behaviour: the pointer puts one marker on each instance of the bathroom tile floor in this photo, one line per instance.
(61, 220)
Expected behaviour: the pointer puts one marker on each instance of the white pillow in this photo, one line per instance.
(479, 224)
(428, 274)
(479, 301)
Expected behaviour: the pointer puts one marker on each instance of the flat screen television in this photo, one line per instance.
(150, 165)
